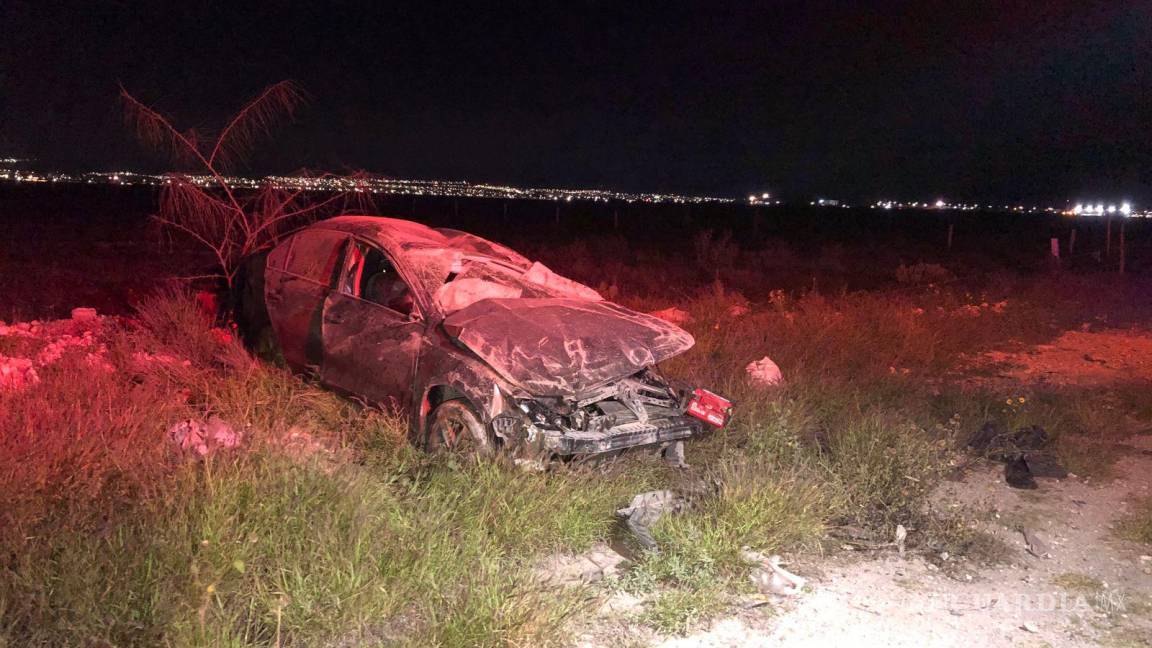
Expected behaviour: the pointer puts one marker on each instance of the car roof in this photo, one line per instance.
(402, 235)
(387, 230)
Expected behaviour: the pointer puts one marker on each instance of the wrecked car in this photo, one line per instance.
(482, 348)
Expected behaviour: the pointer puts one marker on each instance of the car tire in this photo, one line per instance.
(455, 428)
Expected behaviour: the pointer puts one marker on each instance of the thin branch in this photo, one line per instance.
(256, 118)
(157, 130)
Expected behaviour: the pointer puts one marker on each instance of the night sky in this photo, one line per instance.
(1005, 101)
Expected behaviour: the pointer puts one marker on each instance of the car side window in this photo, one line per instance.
(314, 255)
(369, 275)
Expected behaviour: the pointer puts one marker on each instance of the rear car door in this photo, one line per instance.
(299, 275)
(372, 329)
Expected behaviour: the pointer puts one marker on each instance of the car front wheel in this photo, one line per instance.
(455, 427)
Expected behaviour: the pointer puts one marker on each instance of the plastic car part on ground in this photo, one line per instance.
(764, 372)
(769, 577)
(645, 511)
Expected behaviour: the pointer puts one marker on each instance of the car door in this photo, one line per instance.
(299, 275)
(372, 329)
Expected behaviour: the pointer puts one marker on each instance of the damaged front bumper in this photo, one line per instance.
(640, 410)
(626, 435)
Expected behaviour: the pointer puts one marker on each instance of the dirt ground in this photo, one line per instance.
(1084, 358)
(1063, 577)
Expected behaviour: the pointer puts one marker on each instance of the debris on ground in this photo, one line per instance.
(1034, 544)
(594, 565)
(673, 315)
(764, 372)
(1017, 475)
(1043, 464)
(204, 437)
(645, 510)
(1024, 453)
(769, 577)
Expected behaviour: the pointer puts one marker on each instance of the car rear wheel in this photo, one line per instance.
(454, 427)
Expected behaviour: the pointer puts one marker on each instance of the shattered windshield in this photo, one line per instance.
(462, 278)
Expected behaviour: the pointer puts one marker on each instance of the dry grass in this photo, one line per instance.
(110, 535)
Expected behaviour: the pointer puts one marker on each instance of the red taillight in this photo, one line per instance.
(709, 407)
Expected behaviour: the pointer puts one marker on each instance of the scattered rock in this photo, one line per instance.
(1034, 544)
(17, 373)
(764, 372)
(84, 315)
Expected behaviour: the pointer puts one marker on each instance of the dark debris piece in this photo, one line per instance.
(1017, 474)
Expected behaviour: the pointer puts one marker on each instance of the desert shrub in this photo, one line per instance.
(171, 320)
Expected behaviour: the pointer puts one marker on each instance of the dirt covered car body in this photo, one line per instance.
(475, 342)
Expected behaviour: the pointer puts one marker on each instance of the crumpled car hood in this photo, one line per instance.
(564, 347)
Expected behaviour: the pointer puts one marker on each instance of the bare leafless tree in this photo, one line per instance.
(233, 222)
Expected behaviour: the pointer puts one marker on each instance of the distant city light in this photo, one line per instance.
(1101, 209)
(373, 185)
(10, 171)
(762, 199)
